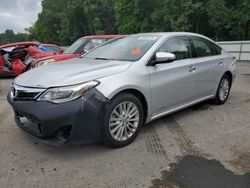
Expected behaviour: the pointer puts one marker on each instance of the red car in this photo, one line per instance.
(15, 58)
(78, 48)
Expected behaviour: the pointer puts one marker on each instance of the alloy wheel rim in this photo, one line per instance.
(124, 121)
(224, 89)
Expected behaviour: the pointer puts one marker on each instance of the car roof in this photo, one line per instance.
(169, 34)
(102, 36)
(27, 43)
(19, 44)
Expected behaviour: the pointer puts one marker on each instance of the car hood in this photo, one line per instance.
(56, 58)
(70, 72)
(62, 57)
(59, 57)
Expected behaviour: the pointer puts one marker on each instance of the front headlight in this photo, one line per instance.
(45, 62)
(68, 93)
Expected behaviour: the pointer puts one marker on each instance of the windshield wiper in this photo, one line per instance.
(102, 58)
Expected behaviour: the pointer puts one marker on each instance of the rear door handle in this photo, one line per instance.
(192, 69)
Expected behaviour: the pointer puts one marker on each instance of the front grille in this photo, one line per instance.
(25, 96)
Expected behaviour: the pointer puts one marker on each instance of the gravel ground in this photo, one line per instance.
(200, 140)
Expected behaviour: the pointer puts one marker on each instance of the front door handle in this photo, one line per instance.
(220, 63)
(192, 69)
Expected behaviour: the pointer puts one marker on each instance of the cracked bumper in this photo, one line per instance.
(77, 122)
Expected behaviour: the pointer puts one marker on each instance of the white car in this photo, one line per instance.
(107, 95)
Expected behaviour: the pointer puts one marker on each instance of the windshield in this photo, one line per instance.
(76, 47)
(53, 48)
(44, 48)
(92, 43)
(130, 48)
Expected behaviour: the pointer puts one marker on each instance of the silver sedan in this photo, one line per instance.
(107, 95)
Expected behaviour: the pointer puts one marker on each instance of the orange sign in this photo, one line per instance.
(136, 52)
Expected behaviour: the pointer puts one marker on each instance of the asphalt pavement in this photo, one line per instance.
(203, 146)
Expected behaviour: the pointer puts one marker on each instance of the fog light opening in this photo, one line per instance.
(63, 134)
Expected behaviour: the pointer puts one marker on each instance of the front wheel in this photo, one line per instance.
(223, 90)
(123, 120)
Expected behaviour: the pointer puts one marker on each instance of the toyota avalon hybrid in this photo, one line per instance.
(107, 95)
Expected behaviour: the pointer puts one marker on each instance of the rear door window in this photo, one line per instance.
(204, 48)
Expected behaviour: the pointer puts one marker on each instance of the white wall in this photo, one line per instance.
(240, 49)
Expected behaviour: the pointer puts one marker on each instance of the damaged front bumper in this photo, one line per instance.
(77, 122)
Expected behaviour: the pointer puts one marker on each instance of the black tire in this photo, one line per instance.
(106, 133)
(217, 100)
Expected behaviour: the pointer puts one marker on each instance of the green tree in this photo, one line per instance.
(73, 23)
(100, 16)
(9, 37)
(48, 26)
(218, 17)
(239, 24)
(126, 21)
(63, 21)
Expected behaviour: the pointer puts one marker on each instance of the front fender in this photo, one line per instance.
(138, 80)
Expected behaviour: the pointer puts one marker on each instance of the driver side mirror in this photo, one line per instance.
(163, 57)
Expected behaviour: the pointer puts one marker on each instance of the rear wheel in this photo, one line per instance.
(223, 90)
(123, 120)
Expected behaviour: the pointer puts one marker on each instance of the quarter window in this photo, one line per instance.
(179, 46)
(217, 49)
